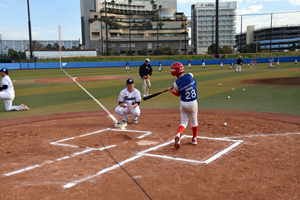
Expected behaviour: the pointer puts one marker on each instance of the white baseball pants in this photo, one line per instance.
(238, 68)
(146, 84)
(123, 112)
(189, 110)
(8, 99)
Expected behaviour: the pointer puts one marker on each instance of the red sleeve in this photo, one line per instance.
(176, 93)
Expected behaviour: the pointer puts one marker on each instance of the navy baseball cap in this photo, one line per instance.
(4, 70)
(130, 80)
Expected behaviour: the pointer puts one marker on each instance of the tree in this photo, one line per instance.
(182, 25)
(154, 7)
(293, 47)
(160, 24)
(152, 3)
(36, 45)
(12, 53)
(144, 52)
(165, 51)
(227, 49)
(212, 49)
(56, 46)
(251, 48)
(147, 25)
(113, 4)
(136, 26)
(48, 46)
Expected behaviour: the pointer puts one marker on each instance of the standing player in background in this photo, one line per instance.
(271, 62)
(127, 67)
(129, 101)
(203, 63)
(278, 62)
(239, 64)
(159, 67)
(7, 92)
(251, 63)
(145, 74)
(189, 64)
(231, 65)
(186, 87)
(295, 60)
(254, 62)
(221, 63)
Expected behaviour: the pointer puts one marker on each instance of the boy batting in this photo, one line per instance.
(186, 87)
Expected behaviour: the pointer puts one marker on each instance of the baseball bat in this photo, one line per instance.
(153, 95)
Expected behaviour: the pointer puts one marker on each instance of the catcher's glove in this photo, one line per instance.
(148, 76)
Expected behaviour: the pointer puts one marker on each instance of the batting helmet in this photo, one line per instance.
(176, 68)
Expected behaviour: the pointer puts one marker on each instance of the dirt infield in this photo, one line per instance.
(79, 79)
(274, 81)
(61, 157)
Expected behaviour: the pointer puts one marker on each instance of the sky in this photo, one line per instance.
(46, 15)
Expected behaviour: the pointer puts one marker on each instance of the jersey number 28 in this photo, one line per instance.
(191, 94)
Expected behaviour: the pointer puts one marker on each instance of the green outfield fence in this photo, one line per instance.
(7, 59)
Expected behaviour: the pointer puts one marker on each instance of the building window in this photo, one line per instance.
(95, 34)
(149, 45)
(96, 27)
(208, 12)
(113, 45)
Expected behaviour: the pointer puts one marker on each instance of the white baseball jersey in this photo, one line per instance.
(10, 87)
(130, 98)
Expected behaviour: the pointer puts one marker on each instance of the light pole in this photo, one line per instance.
(29, 27)
(107, 53)
(217, 28)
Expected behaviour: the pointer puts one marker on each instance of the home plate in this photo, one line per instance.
(146, 142)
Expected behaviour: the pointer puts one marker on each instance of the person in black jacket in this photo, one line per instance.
(145, 74)
(239, 64)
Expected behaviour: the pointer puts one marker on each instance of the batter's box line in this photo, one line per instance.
(58, 159)
(87, 149)
(144, 153)
(209, 160)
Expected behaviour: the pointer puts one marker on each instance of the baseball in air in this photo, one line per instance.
(243, 88)
(125, 104)
(228, 97)
(232, 88)
(225, 124)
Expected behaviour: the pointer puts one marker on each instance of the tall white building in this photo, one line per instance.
(203, 25)
(88, 6)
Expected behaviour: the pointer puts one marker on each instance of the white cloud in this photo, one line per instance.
(294, 2)
(264, 21)
(252, 9)
(3, 6)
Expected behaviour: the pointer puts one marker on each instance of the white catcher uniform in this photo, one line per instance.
(8, 95)
(129, 98)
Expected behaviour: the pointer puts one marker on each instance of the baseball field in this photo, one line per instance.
(56, 150)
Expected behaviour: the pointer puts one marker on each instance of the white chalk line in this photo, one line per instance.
(144, 153)
(88, 149)
(58, 159)
(98, 102)
(262, 135)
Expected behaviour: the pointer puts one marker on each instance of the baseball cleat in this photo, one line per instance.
(177, 141)
(135, 121)
(25, 107)
(194, 141)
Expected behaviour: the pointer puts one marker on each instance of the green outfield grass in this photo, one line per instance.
(48, 98)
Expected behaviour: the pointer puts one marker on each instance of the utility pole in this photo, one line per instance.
(1, 45)
(212, 30)
(217, 28)
(107, 53)
(241, 34)
(29, 27)
(185, 36)
(271, 35)
(157, 38)
(129, 37)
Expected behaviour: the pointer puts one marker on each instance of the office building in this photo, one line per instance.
(203, 25)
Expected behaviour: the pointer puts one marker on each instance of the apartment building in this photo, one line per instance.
(203, 25)
(136, 26)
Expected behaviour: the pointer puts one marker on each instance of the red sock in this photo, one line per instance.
(180, 129)
(195, 131)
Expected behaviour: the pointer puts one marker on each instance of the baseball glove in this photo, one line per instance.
(148, 76)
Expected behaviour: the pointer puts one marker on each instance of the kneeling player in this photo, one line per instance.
(129, 101)
(186, 87)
